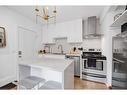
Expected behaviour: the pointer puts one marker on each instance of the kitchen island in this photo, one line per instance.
(51, 69)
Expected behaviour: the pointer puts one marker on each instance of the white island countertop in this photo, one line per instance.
(48, 63)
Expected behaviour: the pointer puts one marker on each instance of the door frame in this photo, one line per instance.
(23, 28)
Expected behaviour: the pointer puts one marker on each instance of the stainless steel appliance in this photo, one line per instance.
(93, 65)
(76, 64)
(92, 24)
(119, 71)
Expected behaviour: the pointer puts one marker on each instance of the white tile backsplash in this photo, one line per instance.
(66, 46)
(91, 43)
(87, 43)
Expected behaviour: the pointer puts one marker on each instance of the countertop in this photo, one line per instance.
(64, 54)
(48, 63)
(73, 54)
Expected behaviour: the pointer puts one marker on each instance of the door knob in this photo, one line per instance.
(20, 52)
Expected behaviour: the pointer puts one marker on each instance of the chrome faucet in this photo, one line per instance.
(61, 48)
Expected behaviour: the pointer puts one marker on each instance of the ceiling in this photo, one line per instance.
(64, 13)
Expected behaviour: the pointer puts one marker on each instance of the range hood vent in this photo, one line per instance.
(92, 31)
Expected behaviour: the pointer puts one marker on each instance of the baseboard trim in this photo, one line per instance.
(7, 80)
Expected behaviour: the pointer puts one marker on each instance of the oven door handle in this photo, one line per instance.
(94, 75)
(84, 63)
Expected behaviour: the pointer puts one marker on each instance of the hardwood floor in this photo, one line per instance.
(79, 85)
(85, 84)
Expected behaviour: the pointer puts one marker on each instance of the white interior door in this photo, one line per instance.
(27, 43)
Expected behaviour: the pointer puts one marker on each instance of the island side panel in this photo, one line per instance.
(68, 78)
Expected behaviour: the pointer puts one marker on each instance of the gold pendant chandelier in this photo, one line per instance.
(45, 14)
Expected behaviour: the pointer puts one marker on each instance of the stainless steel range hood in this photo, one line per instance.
(92, 31)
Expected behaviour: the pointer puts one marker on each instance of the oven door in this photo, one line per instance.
(93, 65)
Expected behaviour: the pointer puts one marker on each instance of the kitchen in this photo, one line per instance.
(78, 44)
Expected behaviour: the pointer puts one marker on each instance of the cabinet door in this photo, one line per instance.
(60, 30)
(78, 30)
(51, 32)
(44, 35)
(75, 31)
(57, 29)
(70, 32)
(47, 34)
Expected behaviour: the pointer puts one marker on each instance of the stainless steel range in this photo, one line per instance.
(93, 65)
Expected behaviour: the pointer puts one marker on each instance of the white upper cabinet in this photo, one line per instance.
(71, 29)
(48, 34)
(60, 30)
(75, 31)
(44, 34)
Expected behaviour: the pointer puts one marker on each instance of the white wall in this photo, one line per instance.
(8, 55)
(106, 45)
